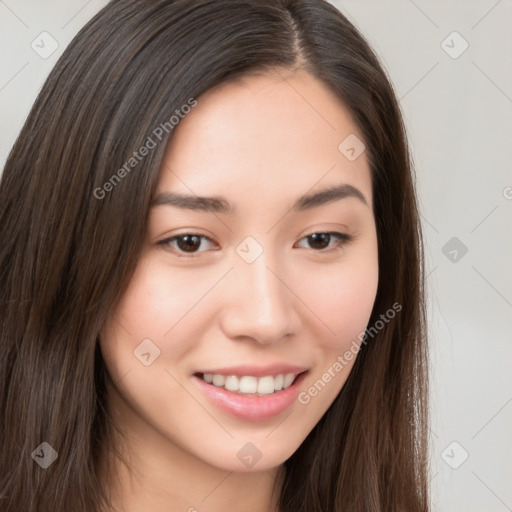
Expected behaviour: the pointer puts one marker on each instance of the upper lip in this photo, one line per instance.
(257, 371)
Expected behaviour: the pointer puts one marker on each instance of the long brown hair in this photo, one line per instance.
(66, 255)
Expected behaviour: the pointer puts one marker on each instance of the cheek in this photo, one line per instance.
(342, 296)
(159, 301)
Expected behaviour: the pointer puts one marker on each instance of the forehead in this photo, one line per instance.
(264, 136)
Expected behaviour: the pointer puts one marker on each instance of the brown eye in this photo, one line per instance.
(186, 244)
(321, 241)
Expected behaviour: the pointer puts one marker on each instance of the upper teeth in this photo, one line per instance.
(248, 384)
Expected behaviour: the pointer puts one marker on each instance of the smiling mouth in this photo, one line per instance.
(249, 385)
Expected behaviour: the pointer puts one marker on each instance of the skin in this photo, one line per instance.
(260, 142)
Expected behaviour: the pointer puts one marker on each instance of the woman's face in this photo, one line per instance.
(251, 288)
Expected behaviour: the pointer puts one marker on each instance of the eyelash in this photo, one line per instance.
(340, 240)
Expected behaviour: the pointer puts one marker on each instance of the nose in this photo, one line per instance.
(260, 303)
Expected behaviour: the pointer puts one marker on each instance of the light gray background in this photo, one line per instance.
(459, 116)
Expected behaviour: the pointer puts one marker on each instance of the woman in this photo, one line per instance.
(212, 271)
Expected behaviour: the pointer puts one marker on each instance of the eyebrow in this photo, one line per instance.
(219, 204)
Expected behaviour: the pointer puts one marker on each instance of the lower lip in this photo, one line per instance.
(251, 408)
